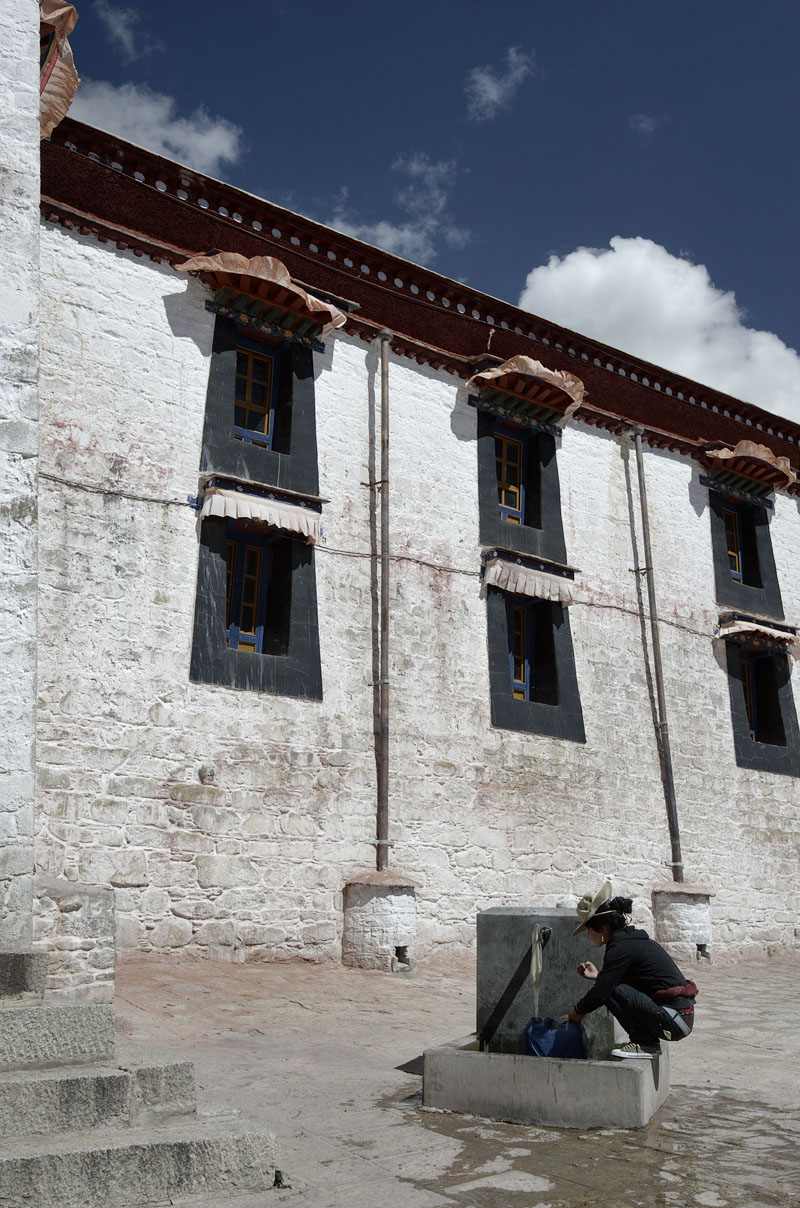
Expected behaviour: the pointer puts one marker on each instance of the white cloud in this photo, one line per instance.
(638, 297)
(644, 124)
(423, 201)
(151, 119)
(489, 90)
(121, 27)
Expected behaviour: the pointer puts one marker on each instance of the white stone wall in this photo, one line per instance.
(229, 822)
(19, 354)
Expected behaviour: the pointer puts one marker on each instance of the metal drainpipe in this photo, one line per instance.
(382, 820)
(661, 725)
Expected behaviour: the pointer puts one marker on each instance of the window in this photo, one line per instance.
(760, 688)
(510, 461)
(258, 591)
(256, 611)
(765, 730)
(518, 488)
(531, 650)
(260, 422)
(256, 396)
(744, 566)
(733, 535)
(531, 667)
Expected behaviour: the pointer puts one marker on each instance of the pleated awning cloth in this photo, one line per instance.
(238, 505)
(527, 581)
(265, 278)
(58, 78)
(736, 628)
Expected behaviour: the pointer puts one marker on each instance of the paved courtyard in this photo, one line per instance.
(311, 1052)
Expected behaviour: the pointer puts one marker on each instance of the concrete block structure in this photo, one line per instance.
(544, 1090)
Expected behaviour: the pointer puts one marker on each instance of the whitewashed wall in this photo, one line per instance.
(228, 821)
(19, 442)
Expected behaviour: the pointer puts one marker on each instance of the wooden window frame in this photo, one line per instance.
(270, 356)
(753, 663)
(520, 624)
(508, 436)
(732, 518)
(240, 541)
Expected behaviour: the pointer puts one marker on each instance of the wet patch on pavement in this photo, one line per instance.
(704, 1148)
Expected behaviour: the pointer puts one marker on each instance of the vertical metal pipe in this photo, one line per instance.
(661, 725)
(382, 821)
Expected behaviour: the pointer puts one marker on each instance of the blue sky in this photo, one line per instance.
(495, 141)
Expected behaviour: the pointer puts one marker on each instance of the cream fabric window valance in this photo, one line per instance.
(756, 629)
(528, 581)
(277, 513)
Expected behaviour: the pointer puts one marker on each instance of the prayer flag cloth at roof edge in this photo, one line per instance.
(525, 581)
(755, 630)
(524, 377)
(266, 278)
(755, 462)
(237, 505)
(58, 78)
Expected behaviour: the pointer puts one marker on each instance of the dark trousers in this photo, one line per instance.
(645, 1021)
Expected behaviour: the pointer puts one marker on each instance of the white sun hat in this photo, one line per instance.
(590, 904)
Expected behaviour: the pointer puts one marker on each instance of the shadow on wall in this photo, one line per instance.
(463, 418)
(187, 316)
(698, 495)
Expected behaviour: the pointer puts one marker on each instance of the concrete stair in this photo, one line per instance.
(95, 1096)
(89, 1126)
(115, 1169)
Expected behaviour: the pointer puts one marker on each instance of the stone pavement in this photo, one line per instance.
(312, 1051)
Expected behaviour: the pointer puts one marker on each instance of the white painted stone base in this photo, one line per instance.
(543, 1090)
(380, 924)
(682, 917)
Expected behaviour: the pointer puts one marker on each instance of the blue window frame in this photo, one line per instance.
(510, 453)
(249, 560)
(520, 646)
(256, 401)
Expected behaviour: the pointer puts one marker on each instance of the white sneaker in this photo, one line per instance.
(645, 1052)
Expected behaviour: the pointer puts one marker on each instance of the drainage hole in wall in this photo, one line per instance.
(401, 962)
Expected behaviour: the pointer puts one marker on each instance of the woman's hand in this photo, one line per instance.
(573, 1016)
(588, 970)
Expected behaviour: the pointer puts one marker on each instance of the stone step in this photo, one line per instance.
(35, 1036)
(99, 1096)
(22, 977)
(137, 1166)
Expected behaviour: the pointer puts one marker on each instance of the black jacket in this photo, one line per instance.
(634, 959)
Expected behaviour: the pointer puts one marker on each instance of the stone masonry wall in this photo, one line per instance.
(229, 822)
(76, 924)
(19, 441)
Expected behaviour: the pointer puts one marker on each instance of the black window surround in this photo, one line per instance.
(543, 533)
(781, 758)
(291, 464)
(291, 664)
(558, 716)
(294, 672)
(759, 592)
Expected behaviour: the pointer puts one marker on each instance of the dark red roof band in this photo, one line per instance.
(99, 184)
